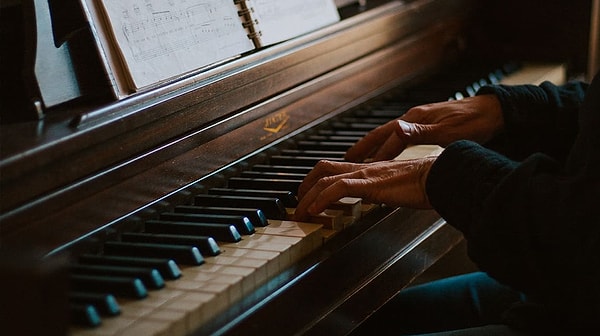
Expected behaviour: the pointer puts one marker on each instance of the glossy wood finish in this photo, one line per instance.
(339, 286)
(53, 173)
(86, 173)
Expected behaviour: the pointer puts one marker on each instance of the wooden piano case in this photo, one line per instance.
(78, 174)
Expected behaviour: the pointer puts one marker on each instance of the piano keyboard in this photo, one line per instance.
(193, 261)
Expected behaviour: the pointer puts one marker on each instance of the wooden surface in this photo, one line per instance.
(85, 174)
(534, 73)
(54, 175)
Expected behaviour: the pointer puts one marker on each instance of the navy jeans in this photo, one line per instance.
(469, 304)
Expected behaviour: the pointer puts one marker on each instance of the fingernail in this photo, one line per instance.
(404, 126)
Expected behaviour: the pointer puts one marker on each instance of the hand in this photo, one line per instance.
(476, 118)
(395, 183)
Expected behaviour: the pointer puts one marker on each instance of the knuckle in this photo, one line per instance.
(323, 182)
(323, 165)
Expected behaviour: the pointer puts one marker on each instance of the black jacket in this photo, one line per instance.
(528, 202)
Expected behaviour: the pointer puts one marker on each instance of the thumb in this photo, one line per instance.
(413, 133)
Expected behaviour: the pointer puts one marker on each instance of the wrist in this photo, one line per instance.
(493, 108)
(425, 168)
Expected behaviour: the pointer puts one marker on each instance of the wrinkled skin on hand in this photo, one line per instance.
(476, 118)
(398, 182)
(395, 183)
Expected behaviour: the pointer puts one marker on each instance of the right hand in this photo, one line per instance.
(393, 182)
(477, 118)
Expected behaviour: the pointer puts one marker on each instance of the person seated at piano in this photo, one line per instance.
(519, 176)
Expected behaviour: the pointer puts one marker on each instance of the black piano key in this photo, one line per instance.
(355, 126)
(84, 315)
(118, 286)
(339, 146)
(272, 207)
(241, 223)
(188, 255)
(349, 139)
(282, 169)
(221, 232)
(390, 111)
(105, 304)
(494, 77)
(272, 175)
(167, 267)
(257, 217)
(207, 245)
(432, 93)
(320, 153)
(307, 161)
(264, 184)
(366, 120)
(149, 276)
(342, 132)
(287, 197)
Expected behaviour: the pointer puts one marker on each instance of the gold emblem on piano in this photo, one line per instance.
(276, 123)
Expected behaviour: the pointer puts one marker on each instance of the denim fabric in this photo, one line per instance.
(469, 304)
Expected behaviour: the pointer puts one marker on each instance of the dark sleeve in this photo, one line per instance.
(528, 224)
(533, 223)
(537, 118)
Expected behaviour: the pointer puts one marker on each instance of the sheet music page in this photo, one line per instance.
(158, 40)
(281, 20)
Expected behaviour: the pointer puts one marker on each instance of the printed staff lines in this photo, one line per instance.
(160, 33)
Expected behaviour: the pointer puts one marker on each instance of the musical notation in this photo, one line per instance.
(153, 40)
(281, 20)
(162, 39)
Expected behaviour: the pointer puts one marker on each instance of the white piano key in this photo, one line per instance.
(178, 316)
(262, 242)
(149, 327)
(109, 326)
(176, 321)
(199, 308)
(206, 290)
(309, 232)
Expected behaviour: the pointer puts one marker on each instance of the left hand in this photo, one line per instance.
(477, 118)
(395, 183)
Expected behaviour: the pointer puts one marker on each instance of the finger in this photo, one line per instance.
(365, 147)
(326, 191)
(405, 134)
(423, 114)
(331, 191)
(321, 169)
(324, 174)
(417, 134)
(306, 200)
(393, 146)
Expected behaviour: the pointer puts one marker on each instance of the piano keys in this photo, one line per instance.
(109, 185)
(233, 267)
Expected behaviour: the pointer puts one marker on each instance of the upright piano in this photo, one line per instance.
(101, 199)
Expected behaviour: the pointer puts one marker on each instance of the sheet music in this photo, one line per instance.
(158, 39)
(281, 20)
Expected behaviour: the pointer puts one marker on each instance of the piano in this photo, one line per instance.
(95, 189)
